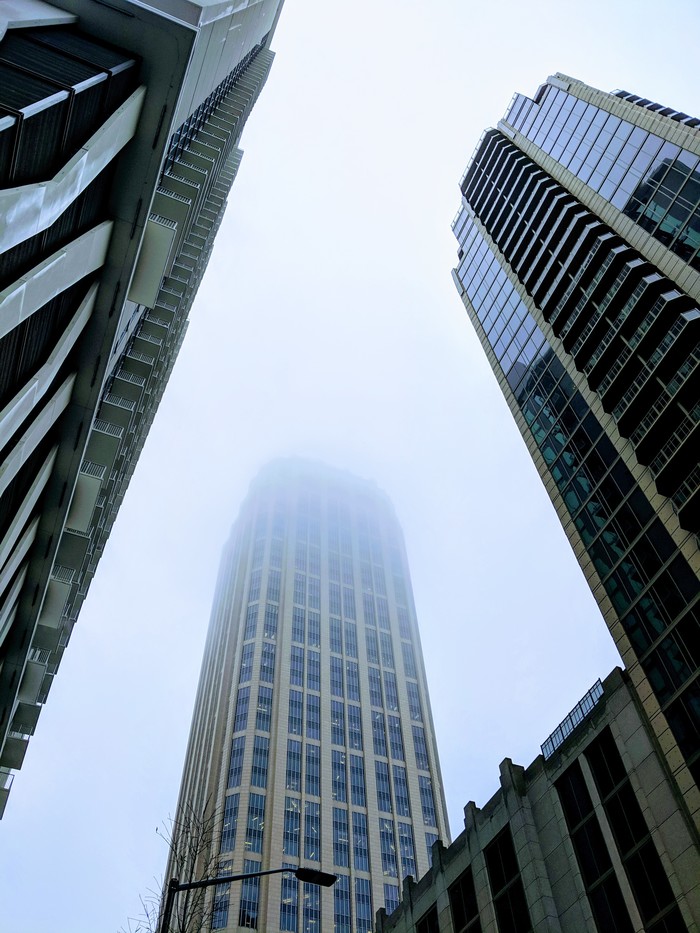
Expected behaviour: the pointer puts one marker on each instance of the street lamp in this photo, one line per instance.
(309, 875)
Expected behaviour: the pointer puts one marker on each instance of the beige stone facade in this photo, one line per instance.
(561, 865)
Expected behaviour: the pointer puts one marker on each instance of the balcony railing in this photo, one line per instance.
(581, 711)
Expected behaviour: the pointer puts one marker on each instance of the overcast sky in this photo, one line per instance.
(328, 326)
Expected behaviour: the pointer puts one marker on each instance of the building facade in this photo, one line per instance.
(579, 266)
(588, 839)
(119, 131)
(312, 742)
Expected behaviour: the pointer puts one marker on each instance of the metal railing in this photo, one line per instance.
(581, 711)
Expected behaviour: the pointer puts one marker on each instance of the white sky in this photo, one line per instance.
(328, 326)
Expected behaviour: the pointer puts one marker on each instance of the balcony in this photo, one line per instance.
(686, 501)
(6, 778)
(104, 442)
(87, 489)
(117, 409)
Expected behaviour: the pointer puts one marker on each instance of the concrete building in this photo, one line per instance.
(119, 131)
(579, 266)
(312, 741)
(589, 837)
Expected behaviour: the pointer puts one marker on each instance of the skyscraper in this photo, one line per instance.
(312, 739)
(579, 266)
(119, 131)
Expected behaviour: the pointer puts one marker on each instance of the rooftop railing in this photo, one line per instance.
(581, 711)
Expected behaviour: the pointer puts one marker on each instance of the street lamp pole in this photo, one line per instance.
(309, 875)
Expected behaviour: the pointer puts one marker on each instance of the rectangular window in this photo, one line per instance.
(383, 786)
(388, 848)
(337, 689)
(351, 639)
(379, 585)
(298, 625)
(335, 629)
(414, 701)
(403, 804)
(256, 823)
(375, 686)
(644, 869)
(313, 770)
(296, 674)
(430, 840)
(228, 830)
(378, 733)
(289, 904)
(273, 585)
(264, 711)
(250, 896)
(300, 589)
(313, 669)
(400, 591)
(366, 575)
(293, 777)
(271, 617)
(348, 603)
(246, 663)
(357, 781)
(383, 613)
(296, 712)
(240, 719)
(354, 727)
(352, 680)
(409, 660)
(314, 632)
(404, 622)
(314, 593)
(313, 716)
(597, 872)
(407, 850)
(421, 749)
(465, 911)
(341, 905)
(364, 917)
(427, 801)
(338, 722)
(391, 898)
(368, 606)
(348, 577)
(276, 549)
(311, 909)
(267, 662)
(395, 737)
(254, 591)
(372, 645)
(261, 751)
(390, 691)
(333, 566)
(235, 766)
(387, 649)
(312, 831)
(338, 777)
(360, 845)
(315, 560)
(341, 848)
(219, 914)
(334, 606)
(251, 622)
(428, 923)
(506, 885)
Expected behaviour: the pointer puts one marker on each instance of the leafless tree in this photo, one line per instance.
(190, 839)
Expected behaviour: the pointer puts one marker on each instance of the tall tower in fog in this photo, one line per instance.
(312, 738)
